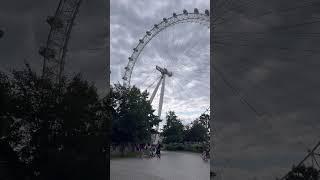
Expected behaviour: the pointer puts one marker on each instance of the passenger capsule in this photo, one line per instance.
(156, 25)
(207, 12)
(148, 33)
(135, 49)
(196, 11)
(185, 12)
(165, 20)
(141, 41)
(174, 15)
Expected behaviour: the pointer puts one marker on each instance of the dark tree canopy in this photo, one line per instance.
(48, 124)
(196, 133)
(303, 173)
(173, 130)
(132, 115)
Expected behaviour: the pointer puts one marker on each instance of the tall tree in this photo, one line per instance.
(39, 110)
(173, 130)
(196, 133)
(132, 115)
(5, 104)
(79, 104)
(204, 120)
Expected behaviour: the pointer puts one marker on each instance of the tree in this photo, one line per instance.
(173, 131)
(79, 105)
(302, 173)
(132, 115)
(32, 103)
(204, 120)
(38, 111)
(196, 133)
(198, 130)
(5, 104)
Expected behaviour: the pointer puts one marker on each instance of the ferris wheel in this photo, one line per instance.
(174, 49)
(54, 52)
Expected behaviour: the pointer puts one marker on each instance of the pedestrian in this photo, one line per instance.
(152, 150)
(149, 150)
(141, 149)
(158, 150)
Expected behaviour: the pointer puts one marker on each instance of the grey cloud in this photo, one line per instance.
(129, 24)
(276, 70)
(26, 29)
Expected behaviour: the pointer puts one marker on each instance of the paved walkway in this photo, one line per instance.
(171, 166)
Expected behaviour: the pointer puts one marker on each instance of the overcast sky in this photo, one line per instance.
(269, 52)
(24, 23)
(273, 61)
(183, 49)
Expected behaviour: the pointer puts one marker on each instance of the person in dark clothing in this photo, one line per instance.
(141, 149)
(158, 150)
(206, 154)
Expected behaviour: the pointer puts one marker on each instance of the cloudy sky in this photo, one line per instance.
(183, 49)
(269, 52)
(24, 23)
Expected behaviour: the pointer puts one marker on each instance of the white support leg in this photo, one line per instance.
(156, 89)
(161, 98)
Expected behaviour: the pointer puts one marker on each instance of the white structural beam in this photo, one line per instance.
(185, 17)
(156, 89)
(161, 96)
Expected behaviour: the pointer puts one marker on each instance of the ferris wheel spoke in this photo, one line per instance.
(175, 19)
(171, 59)
(148, 77)
(157, 79)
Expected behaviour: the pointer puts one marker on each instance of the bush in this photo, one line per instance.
(185, 147)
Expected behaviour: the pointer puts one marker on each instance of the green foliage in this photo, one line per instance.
(5, 103)
(132, 115)
(192, 137)
(173, 130)
(196, 133)
(79, 107)
(192, 147)
(204, 120)
(47, 123)
(303, 173)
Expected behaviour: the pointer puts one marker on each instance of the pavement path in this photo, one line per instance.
(171, 166)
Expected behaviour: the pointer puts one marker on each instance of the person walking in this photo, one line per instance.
(149, 150)
(140, 150)
(158, 150)
(206, 154)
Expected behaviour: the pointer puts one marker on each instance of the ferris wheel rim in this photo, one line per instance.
(55, 49)
(185, 17)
